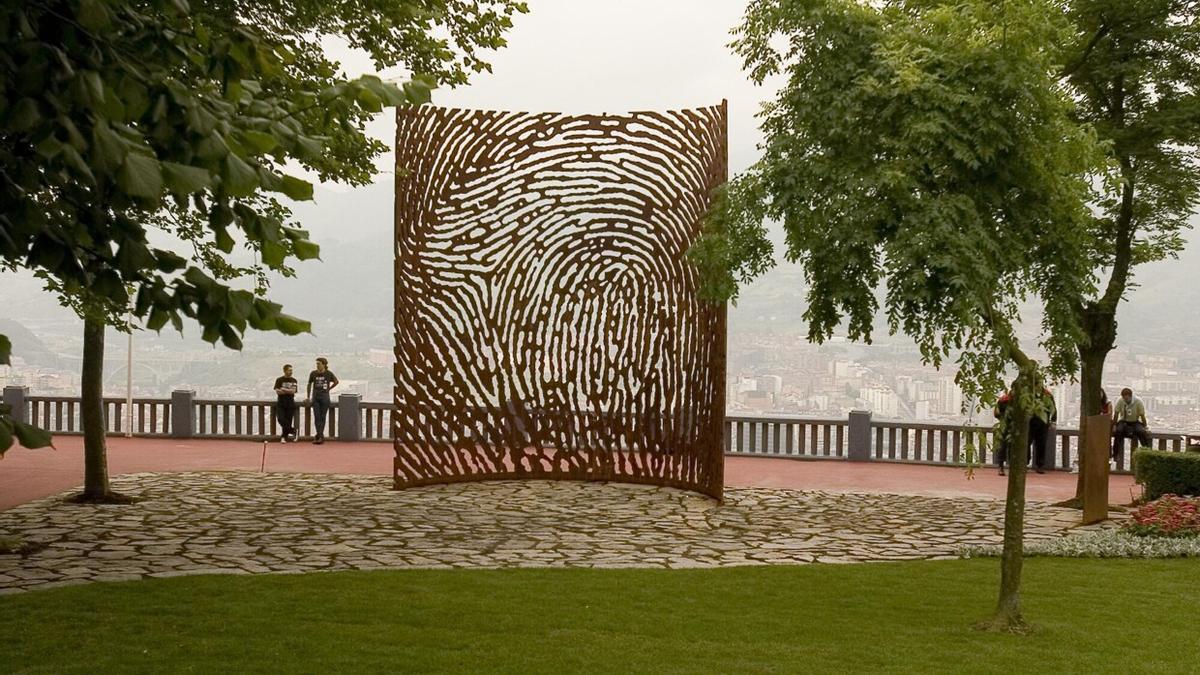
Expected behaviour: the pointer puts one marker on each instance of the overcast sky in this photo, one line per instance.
(595, 56)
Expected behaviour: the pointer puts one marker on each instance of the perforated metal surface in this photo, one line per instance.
(546, 317)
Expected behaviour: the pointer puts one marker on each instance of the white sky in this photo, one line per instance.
(595, 56)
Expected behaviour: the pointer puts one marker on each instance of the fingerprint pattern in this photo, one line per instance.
(547, 324)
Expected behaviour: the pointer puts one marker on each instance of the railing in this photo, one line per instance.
(911, 442)
(254, 419)
(151, 416)
(785, 437)
(349, 418)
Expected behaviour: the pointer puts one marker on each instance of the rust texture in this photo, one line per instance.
(547, 323)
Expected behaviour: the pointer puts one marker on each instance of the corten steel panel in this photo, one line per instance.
(547, 324)
(1095, 443)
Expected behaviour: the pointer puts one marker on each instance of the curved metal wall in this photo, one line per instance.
(547, 324)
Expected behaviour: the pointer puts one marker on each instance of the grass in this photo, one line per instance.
(1090, 616)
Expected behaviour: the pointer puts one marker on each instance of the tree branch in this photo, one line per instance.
(1101, 32)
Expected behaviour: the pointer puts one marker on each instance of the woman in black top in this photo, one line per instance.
(320, 382)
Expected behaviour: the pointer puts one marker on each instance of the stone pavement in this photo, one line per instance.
(26, 475)
(246, 523)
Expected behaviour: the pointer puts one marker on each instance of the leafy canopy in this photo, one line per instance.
(117, 116)
(925, 148)
(1134, 70)
(124, 123)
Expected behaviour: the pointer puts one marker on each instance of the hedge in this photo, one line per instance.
(1161, 472)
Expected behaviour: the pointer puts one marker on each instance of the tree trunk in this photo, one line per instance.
(95, 454)
(1101, 329)
(1008, 616)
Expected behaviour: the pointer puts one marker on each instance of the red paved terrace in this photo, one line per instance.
(26, 475)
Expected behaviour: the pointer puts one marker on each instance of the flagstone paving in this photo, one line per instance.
(245, 523)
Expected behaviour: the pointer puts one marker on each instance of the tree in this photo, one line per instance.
(119, 118)
(1133, 69)
(925, 152)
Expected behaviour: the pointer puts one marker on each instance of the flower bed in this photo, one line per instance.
(1107, 543)
(1167, 516)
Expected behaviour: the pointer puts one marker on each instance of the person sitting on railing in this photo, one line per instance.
(1129, 421)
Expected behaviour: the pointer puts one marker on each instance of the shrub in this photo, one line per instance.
(1167, 516)
(1162, 472)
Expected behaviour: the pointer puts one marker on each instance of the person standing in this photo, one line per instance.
(1040, 425)
(1003, 429)
(320, 382)
(285, 407)
(1129, 421)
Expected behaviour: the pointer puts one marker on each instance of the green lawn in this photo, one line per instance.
(1091, 616)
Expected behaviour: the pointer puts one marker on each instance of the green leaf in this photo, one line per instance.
(158, 319)
(309, 148)
(224, 240)
(368, 100)
(133, 257)
(240, 177)
(259, 141)
(240, 307)
(93, 85)
(182, 179)
(24, 116)
(141, 176)
(296, 189)
(6, 434)
(5, 351)
(75, 161)
(220, 216)
(290, 325)
(230, 338)
(94, 16)
(167, 261)
(31, 436)
(273, 254)
(305, 249)
(50, 147)
(418, 93)
(108, 150)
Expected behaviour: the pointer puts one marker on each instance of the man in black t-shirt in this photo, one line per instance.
(286, 388)
(320, 382)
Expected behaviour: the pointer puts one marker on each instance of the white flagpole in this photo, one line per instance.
(129, 372)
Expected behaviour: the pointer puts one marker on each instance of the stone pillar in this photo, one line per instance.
(183, 414)
(18, 398)
(349, 421)
(859, 441)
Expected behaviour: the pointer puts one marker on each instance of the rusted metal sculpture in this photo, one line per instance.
(547, 324)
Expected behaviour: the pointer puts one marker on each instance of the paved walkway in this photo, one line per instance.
(243, 523)
(26, 475)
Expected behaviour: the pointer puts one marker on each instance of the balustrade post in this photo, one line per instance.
(183, 414)
(858, 447)
(348, 427)
(18, 398)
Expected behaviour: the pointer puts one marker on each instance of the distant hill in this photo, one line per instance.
(350, 289)
(26, 345)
